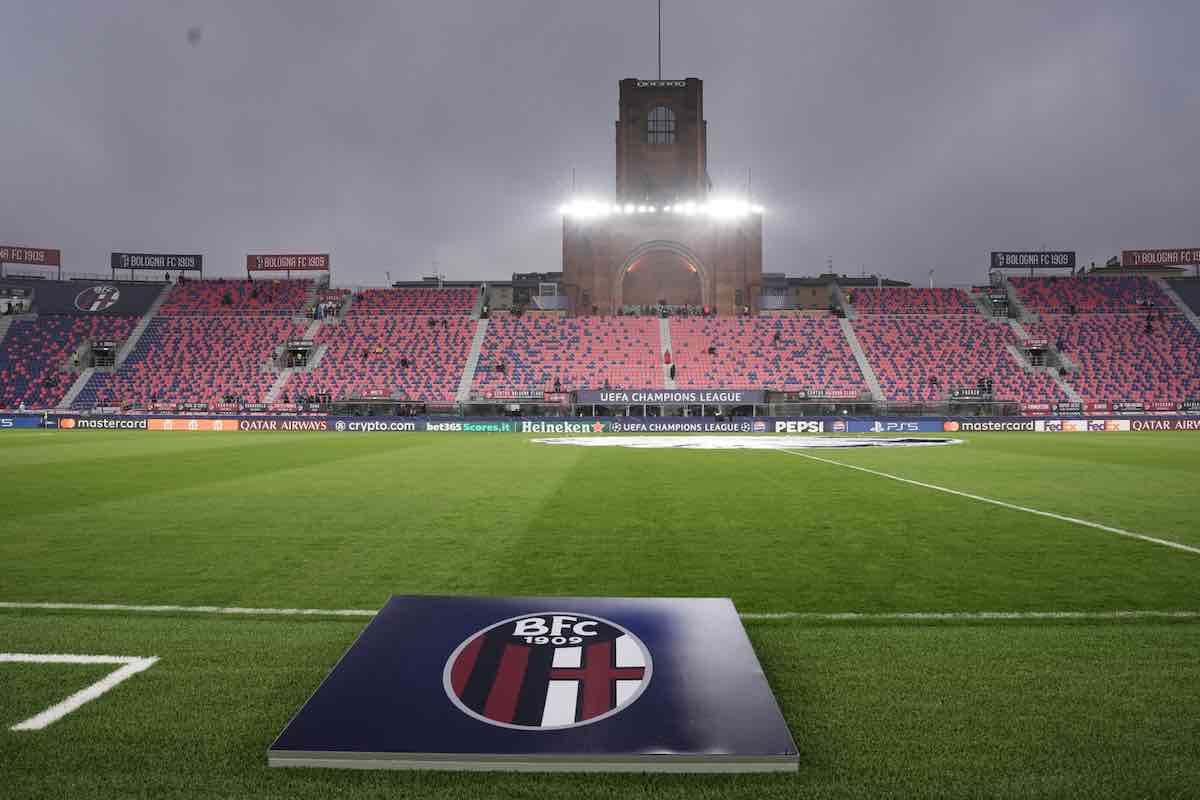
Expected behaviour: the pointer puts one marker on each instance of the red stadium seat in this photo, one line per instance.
(34, 352)
(582, 353)
(363, 358)
(810, 354)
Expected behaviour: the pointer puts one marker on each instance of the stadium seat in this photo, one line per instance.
(907, 351)
(581, 353)
(196, 297)
(1120, 361)
(415, 300)
(811, 354)
(1088, 294)
(33, 352)
(363, 358)
(910, 300)
(196, 359)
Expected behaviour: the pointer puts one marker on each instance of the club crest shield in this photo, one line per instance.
(547, 671)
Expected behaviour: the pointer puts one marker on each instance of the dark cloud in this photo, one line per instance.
(892, 136)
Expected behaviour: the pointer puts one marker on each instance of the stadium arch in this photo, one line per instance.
(654, 246)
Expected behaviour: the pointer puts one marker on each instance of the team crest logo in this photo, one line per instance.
(97, 298)
(547, 671)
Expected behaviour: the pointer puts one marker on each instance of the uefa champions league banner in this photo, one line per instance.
(638, 397)
(600, 425)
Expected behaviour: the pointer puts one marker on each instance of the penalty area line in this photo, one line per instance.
(128, 666)
(815, 616)
(1061, 517)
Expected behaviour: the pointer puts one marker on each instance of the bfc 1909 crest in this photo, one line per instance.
(97, 298)
(547, 671)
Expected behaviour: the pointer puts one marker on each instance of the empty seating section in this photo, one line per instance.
(1119, 361)
(910, 300)
(196, 359)
(907, 352)
(33, 352)
(363, 358)
(415, 300)
(1088, 295)
(810, 354)
(279, 297)
(528, 353)
(414, 343)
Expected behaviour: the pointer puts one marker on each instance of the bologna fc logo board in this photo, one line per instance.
(535, 683)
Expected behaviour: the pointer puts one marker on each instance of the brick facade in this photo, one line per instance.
(647, 254)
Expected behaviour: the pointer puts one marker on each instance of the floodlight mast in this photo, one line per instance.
(660, 40)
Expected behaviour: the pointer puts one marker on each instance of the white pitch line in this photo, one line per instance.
(819, 616)
(281, 612)
(950, 616)
(129, 666)
(1002, 504)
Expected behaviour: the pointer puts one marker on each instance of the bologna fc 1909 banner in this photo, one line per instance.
(608, 684)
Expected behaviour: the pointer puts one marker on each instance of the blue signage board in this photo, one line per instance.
(545, 684)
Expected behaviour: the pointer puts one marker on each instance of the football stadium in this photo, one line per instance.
(669, 517)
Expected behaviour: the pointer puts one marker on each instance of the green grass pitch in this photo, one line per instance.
(879, 707)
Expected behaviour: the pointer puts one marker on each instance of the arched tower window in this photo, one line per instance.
(660, 126)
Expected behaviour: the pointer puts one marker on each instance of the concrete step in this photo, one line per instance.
(477, 310)
(664, 337)
(76, 388)
(143, 323)
(1179, 302)
(839, 300)
(1015, 305)
(861, 357)
(468, 374)
(277, 387)
(344, 310)
(1051, 372)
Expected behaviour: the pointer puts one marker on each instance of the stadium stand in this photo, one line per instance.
(921, 359)
(529, 353)
(196, 359)
(810, 353)
(1088, 295)
(415, 300)
(220, 296)
(415, 357)
(910, 300)
(34, 351)
(214, 339)
(1119, 360)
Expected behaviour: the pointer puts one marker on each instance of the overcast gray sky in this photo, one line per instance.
(892, 135)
